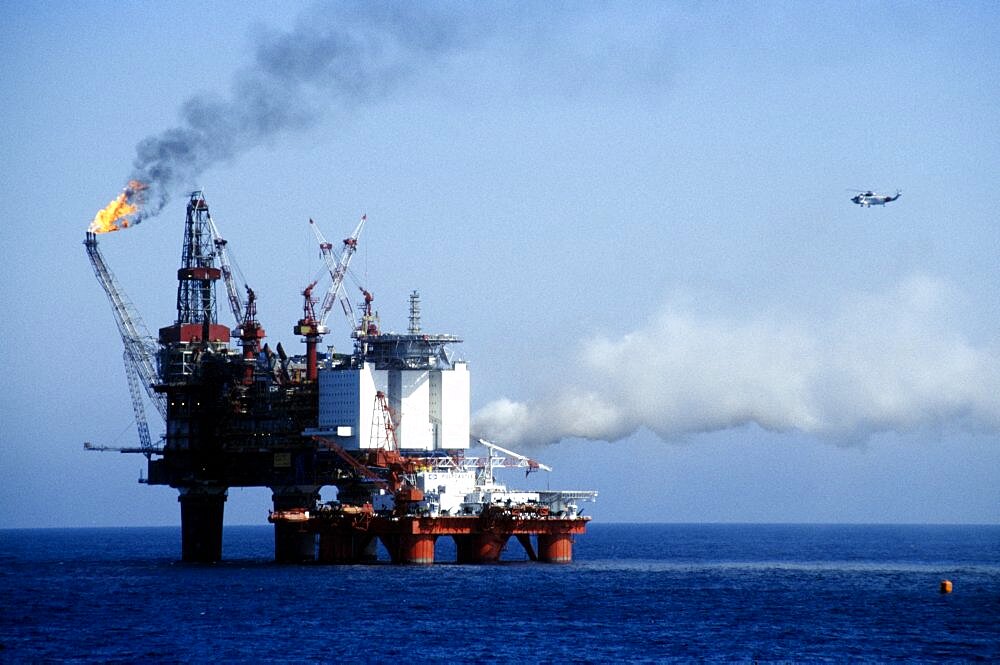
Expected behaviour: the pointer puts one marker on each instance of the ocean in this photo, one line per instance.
(637, 593)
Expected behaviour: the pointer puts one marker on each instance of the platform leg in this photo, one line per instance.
(294, 543)
(555, 548)
(201, 524)
(418, 548)
(347, 546)
(407, 548)
(480, 547)
(489, 546)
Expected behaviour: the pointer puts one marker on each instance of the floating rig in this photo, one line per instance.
(387, 425)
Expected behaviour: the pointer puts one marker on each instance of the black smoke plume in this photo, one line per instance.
(336, 54)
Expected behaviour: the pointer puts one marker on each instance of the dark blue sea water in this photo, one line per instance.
(636, 593)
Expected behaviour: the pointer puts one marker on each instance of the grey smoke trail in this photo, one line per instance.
(342, 53)
(884, 362)
(349, 53)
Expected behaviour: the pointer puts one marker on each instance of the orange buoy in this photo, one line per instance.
(945, 586)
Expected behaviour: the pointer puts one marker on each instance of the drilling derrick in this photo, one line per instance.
(196, 306)
(192, 350)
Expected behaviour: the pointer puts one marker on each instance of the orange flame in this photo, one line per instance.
(117, 214)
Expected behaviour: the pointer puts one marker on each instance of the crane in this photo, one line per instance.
(250, 336)
(512, 461)
(383, 436)
(140, 349)
(384, 452)
(226, 267)
(336, 266)
(311, 330)
(312, 325)
(248, 328)
(138, 409)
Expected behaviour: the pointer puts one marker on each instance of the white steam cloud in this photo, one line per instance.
(886, 362)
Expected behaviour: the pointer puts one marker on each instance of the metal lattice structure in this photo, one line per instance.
(140, 348)
(226, 266)
(337, 266)
(195, 289)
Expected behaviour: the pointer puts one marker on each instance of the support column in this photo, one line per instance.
(201, 523)
(417, 548)
(480, 547)
(410, 548)
(555, 547)
(346, 546)
(293, 542)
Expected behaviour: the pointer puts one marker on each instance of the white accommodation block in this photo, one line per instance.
(347, 403)
(409, 397)
(449, 407)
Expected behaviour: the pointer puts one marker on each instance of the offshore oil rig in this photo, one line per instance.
(387, 425)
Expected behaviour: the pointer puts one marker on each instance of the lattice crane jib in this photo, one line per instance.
(226, 267)
(337, 267)
(139, 347)
(383, 436)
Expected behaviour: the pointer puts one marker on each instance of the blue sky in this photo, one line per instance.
(636, 216)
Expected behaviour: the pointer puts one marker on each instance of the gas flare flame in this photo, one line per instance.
(120, 213)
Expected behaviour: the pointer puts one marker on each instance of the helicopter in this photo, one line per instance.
(869, 198)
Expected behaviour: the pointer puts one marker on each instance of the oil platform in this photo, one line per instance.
(387, 425)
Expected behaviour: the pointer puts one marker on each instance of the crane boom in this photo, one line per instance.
(225, 266)
(513, 460)
(523, 460)
(140, 349)
(336, 266)
(132, 376)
